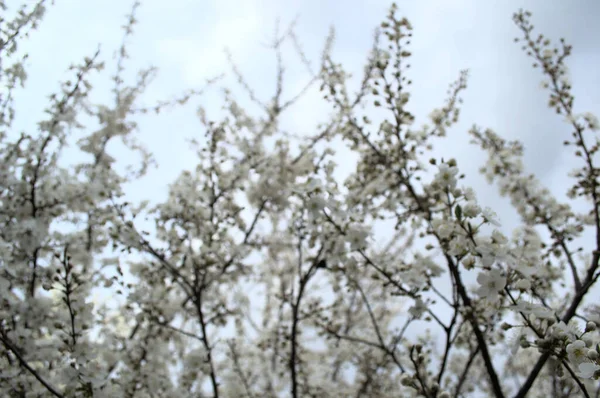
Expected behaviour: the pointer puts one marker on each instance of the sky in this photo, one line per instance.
(185, 40)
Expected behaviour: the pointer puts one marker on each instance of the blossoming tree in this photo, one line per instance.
(261, 276)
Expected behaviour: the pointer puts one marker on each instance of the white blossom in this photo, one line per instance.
(357, 238)
(577, 351)
(259, 271)
(491, 283)
(588, 370)
(446, 176)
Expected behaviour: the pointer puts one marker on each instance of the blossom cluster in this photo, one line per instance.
(262, 274)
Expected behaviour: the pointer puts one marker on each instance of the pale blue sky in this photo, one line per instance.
(185, 40)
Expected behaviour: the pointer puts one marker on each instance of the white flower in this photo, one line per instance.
(446, 176)
(443, 228)
(469, 194)
(402, 100)
(587, 370)
(541, 312)
(488, 255)
(471, 209)
(437, 116)
(523, 284)
(417, 309)
(561, 330)
(313, 184)
(577, 351)
(592, 121)
(498, 237)
(490, 216)
(315, 204)
(492, 282)
(469, 262)
(357, 238)
(458, 245)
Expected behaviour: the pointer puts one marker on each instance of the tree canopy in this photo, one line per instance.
(260, 274)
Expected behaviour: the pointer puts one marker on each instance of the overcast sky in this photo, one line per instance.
(185, 39)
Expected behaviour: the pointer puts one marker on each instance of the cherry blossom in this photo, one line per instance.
(588, 370)
(491, 283)
(260, 272)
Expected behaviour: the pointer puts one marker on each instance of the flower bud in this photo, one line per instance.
(506, 326)
(590, 326)
(469, 262)
(406, 380)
